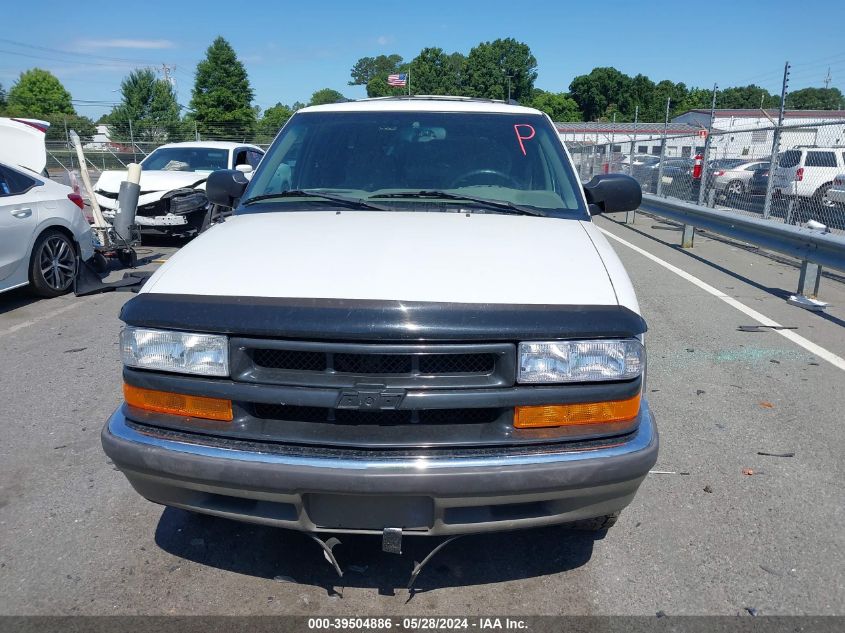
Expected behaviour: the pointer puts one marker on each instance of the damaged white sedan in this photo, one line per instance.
(172, 200)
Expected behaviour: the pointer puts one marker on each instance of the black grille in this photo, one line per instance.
(429, 364)
(373, 363)
(457, 363)
(391, 417)
(290, 359)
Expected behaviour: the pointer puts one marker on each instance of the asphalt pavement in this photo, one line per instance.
(701, 537)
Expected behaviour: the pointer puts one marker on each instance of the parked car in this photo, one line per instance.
(22, 143)
(733, 180)
(43, 233)
(759, 181)
(644, 171)
(409, 326)
(173, 200)
(806, 174)
(836, 193)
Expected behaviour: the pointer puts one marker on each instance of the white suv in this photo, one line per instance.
(410, 325)
(806, 173)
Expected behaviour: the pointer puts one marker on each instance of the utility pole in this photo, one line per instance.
(663, 148)
(703, 185)
(773, 165)
(509, 87)
(827, 79)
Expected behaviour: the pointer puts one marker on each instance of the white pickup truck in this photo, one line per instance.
(410, 325)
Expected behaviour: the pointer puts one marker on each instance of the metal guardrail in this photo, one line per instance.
(825, 249)
(814, 248)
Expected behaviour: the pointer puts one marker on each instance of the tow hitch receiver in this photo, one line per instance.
(391, 540)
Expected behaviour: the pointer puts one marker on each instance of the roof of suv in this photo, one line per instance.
(423, 104)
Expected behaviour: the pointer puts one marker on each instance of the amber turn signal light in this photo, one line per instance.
(575, 414)
(178, 404)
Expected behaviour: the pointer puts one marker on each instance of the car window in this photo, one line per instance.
(515, 158)
(199, 159)
(240, 158)
(254, 157)
(13, 183)
(790, 158)
(820, 159)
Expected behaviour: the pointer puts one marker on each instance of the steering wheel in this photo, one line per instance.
(491, 174)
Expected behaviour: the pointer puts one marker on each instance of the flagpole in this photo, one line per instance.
(409, 82)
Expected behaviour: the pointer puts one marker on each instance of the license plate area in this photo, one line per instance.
(369, 512)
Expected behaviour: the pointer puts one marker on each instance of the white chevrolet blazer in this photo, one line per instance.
(410, 325)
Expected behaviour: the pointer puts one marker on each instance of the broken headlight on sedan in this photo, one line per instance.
(188, 202)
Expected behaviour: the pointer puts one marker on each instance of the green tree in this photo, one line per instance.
(272, 121)
(489, 65)
(2, 98)
(433, 72)
(559, 106)
(326, 95)
(221, 101)
(605, 90)
(378, 87)
(368, 68)
(37, 93)
(815, 99)
(150, 104)
(746, 97)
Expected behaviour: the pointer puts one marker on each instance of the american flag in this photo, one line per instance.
(400, 79)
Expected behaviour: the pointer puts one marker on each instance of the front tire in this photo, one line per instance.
(53, 264)
(734, 189)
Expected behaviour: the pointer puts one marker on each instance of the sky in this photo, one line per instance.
(292, 49)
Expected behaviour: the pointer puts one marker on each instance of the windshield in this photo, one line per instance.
(200, 159)
(513, 158)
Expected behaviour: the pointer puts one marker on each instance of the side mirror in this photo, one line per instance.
(225, 187)
(613, 192)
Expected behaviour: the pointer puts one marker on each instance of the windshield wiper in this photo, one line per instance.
(310, 193)
(503, 205)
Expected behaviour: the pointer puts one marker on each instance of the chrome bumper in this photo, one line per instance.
(433, 496)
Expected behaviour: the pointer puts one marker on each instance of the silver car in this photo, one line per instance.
(43, 233)
(732, 181)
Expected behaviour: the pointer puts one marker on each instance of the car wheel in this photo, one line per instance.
(596, 524)
(820, 197)
(735, 188)
(52, 266)
(128, 257)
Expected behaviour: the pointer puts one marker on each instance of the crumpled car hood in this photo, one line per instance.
(154, 184)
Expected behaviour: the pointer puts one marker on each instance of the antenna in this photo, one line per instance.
(827, 79)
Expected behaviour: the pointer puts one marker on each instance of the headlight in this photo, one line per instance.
(189, 202)
(181, 352)
(580, 361)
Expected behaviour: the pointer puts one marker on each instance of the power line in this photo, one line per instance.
(87, 56)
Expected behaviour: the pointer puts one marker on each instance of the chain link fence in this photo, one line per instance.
(792, 173)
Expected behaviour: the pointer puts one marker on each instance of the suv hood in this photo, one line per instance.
(410, 256)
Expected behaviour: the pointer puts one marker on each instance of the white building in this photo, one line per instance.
(749, 133)
(736, 134)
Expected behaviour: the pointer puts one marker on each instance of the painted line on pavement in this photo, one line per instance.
(762, 319)
(43, 317)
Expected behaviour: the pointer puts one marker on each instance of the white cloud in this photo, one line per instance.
(125, 43)
(384, 40)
